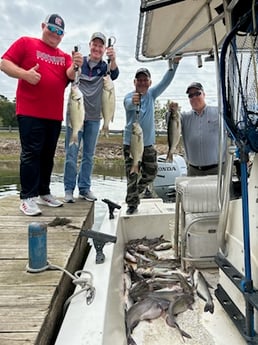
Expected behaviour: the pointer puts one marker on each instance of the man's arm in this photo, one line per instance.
(14, 71)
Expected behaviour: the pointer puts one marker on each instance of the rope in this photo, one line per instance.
(85, 282)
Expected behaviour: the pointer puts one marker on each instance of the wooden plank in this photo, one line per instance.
(22, 319)
(31, 304)
(24, 295)
(18, 338)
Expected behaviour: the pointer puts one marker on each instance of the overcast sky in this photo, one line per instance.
(118, 18)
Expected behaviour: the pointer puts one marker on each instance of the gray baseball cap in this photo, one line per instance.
(100, 36)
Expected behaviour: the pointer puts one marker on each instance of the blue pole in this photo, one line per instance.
(37, 243)
(247, 284)
(246, 225)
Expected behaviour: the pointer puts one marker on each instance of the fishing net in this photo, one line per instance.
(239, 85)
(239, 81)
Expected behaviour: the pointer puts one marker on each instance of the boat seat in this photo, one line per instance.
(197, 217)
(199, 194)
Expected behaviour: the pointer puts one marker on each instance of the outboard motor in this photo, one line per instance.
(165, 182)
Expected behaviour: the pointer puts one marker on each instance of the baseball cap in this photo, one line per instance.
(194, 85)
(55, 20)
(143, 71)
(100, 36)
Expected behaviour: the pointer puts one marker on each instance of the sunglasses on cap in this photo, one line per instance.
(53, 29)
(195, 94)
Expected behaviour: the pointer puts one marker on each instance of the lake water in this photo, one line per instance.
(104, 187)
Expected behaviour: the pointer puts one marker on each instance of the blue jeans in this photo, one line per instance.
(88, 137)
(38, 144)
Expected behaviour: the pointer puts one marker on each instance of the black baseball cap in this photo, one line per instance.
(194, 85)
(55, 20)
(143, 71)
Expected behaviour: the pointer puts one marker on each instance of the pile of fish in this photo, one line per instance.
(154, 285)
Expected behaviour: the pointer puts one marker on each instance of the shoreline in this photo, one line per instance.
(110, 148)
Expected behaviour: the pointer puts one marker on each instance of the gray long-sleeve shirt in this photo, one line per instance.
(201, 136)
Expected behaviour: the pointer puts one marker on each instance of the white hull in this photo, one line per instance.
(102, 322)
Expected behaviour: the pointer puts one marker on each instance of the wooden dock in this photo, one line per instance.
(31, 304)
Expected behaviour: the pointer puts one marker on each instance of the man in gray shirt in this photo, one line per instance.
(200, 132)
(93, 69)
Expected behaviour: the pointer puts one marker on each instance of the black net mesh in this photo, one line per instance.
(239, 74)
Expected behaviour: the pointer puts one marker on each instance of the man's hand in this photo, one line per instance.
(32, 76)
(111, 54)
(173, 107)
(174, 60)
(136, 99)
(77, 59)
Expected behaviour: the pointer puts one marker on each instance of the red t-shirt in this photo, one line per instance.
(46, 99)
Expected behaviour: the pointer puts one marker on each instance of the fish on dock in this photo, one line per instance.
(108, 103)
(76, 112)
(173, 131)
(136, 146)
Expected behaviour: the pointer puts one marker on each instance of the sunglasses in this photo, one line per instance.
(195, 94)
(53, 29)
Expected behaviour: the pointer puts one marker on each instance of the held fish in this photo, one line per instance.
(173, 131)
(108, 103)
(202, 288)
(76, 111)
(136, 147)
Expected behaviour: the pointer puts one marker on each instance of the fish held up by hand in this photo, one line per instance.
(173, 130)
(108, 103)
(136, 147)
(76, 111)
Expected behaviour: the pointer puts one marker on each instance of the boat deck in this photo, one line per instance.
(103, 321)
(31, 303)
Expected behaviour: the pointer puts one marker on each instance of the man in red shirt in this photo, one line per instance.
(43, 72)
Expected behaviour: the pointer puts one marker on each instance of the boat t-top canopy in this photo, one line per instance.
(190, 27)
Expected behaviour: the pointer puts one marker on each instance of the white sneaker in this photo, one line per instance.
(88, 196)
(69, 198)
(29, 207)
(49, 200)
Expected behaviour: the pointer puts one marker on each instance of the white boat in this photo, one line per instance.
(211, 227)
(103, 321)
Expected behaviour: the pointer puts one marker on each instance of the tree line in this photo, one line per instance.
(8, 116)
(7, 112)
